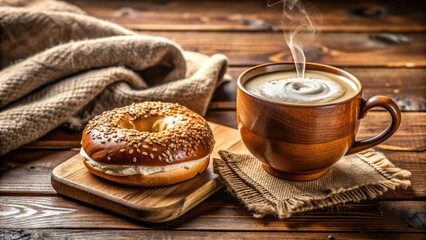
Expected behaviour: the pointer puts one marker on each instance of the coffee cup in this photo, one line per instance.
(299, 138)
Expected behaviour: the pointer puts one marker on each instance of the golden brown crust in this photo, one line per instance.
(149, 134)
(156, 179)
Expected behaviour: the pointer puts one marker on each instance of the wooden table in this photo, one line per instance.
(384, 45)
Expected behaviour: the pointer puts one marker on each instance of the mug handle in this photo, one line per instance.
(366, 105)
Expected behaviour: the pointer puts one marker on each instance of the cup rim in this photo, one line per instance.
(317, 66)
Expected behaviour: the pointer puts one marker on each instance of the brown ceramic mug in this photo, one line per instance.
(300, 142)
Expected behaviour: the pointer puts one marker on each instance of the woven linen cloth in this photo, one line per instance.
(59, 65)
(353, 178)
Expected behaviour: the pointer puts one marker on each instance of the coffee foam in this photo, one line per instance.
(307, 90)
(316, 88)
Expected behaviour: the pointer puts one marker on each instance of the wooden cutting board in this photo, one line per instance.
(159, 204)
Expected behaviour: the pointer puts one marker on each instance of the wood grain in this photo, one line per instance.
(353, 16)
(221, 212)
(337, 49)
(33, 178)
(189, 235)
(411, 132)
(407, 87)
(159, 204)
(382, 43)
(28, 172)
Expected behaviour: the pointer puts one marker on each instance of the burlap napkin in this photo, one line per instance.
(59, 65)
(353, 178)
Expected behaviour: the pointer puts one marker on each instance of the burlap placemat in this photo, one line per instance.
(357, 177)
(58, 65)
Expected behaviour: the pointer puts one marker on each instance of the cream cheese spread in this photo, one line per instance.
(127, 170)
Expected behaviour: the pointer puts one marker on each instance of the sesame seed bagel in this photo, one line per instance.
(145, 139)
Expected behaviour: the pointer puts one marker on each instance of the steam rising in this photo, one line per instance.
(303, 29)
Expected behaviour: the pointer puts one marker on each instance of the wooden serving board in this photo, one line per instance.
(159, 204)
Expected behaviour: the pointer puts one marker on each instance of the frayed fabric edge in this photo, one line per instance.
(261, 203)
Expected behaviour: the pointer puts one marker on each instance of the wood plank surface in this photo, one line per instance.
(28, 172)
(221, 212)
(33, 178)
(407, 87)
(344, 16)
(190, 235)
(337, 49)
(410, 135)
(381, 42)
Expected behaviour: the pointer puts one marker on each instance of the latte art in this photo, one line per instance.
(307, 90)
(316, 88)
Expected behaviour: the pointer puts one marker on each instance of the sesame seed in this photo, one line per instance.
(109, 159)
(130, 151)
(151, 155)
(134, 159)
(191, 133)
(144, 153)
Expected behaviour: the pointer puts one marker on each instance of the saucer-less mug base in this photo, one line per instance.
(307, 176)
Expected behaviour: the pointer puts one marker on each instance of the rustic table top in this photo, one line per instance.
(381, 42)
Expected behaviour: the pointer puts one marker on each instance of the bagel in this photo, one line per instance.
(147, 144)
